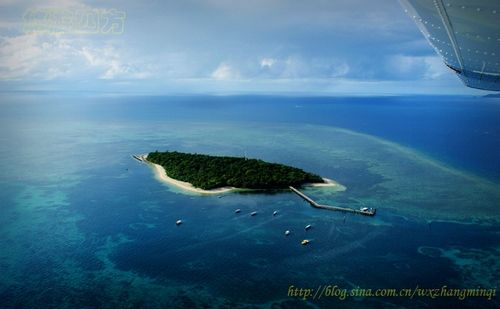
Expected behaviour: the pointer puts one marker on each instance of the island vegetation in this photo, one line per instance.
(209, 172)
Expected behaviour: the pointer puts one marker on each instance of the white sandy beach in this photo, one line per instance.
(161, 175)
(328, 183)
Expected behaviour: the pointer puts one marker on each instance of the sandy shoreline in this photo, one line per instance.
(328, 183)
(162, 176)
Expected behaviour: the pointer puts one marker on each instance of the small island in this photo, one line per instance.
(217, 174)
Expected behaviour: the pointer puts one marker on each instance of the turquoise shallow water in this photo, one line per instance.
(84, 225)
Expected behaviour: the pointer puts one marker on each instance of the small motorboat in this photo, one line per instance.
(178, 222)
(305, 242)
(253, 213)
(308, 227)
(287, 232)
(237, 211)
(275, 213)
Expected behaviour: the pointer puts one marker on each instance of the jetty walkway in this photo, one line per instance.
(363, 211)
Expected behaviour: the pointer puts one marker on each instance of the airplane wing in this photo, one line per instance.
(465, 33)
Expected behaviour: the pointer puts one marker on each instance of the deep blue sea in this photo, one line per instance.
(83, 225)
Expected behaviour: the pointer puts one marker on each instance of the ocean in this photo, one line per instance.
(83, 225)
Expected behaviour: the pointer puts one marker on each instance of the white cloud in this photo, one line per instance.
(435, 67)
(417, 67)
(299, 67)
(339, 69)
(18, 56)
(33, 56)
(111, 64)
(225, 72)
(46, 57)
(405, 64)
(291, 67)
(267, 62)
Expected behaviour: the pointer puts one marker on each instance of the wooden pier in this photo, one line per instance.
(139, 158)
(366, 212)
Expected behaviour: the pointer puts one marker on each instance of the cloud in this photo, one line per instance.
(333, 14)
(33, 56)
(51, 56)
(417, 67)
(225, 72)
(290, 67)
(267, 62)
(48, 57)
(110, 63)
(435, 68)
(223, 43)
(18, 56)
(318, 67)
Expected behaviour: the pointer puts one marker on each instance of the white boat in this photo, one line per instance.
(364, 209)
(287, 232)
(308, 227)
(178, 222)
(237, 211)
(275, 213)
(305, 242)
(253, 213)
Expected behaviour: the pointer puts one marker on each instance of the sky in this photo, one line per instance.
(307, 47)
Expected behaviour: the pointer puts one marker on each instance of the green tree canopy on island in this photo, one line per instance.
(209, 172)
